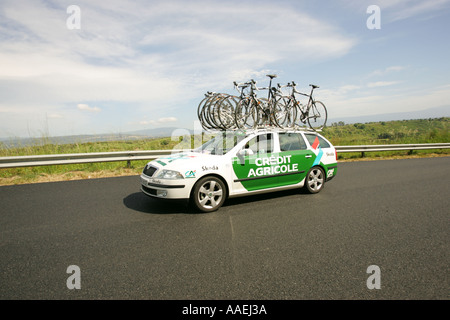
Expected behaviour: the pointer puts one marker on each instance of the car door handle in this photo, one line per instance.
(308, 156)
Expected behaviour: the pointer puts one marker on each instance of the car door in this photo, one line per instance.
(250, 163)
(294, 149)
(325, 154)
(268, 165)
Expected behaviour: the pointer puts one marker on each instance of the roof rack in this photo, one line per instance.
(264, 128)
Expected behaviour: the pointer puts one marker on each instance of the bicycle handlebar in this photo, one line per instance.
(293, 85)
(252, 83)
(280, 86)
(241, 85)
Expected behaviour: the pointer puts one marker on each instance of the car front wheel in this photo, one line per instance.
(315, 180)
(208, 194)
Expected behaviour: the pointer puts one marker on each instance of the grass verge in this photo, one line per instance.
(36, 174)
(392, 132)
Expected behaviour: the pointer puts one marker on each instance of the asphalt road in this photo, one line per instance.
(291, 245)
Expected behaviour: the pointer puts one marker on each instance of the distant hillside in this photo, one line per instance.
(385, 132)
(339, 132)
(127, 136)
(438, 112)
(153, 133)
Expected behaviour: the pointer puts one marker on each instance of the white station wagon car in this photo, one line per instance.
(240, 163)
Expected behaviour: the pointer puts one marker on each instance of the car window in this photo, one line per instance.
(312, 138)
(221, 143)
(291, 141)
(262, 143)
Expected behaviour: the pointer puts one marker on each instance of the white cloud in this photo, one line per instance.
(396, 10)
(370, 102)
(395, 68)
(381, 72)
(410, 8)
(381, 84)
(167, 119)
(347, 88)
(159, 121)
(143, 54)
(85, 107)
(55, 116)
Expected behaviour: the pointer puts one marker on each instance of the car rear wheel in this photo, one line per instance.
(315, 180)
(208, 194)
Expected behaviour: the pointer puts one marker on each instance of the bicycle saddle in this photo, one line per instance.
(271, 76)
(314, 86)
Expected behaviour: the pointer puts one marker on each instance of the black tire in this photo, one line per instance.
(213, 112)
(206, 123)
(226, 113)
(315, 180)
(284, 113)
(200, 107)
(262, 110)
(245, 114)
(317, 116)
(209, 194)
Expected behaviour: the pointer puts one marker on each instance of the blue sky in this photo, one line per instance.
(146, 64)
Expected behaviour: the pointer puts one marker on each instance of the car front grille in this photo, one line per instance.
(149, 190)
(149, 170)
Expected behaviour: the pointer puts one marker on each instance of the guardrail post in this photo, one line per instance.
(128, 164)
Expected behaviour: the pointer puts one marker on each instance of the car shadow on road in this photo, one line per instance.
(263, 197)
(140, 202)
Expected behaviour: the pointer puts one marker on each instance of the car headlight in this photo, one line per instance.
(169, 174)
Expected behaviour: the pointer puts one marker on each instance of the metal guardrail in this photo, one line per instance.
(391, 147)
(79, 158)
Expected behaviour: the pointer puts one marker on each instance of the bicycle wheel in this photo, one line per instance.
(205, 116)
(245, 114)
(278, 112)
(317, 115)
(201, 112)
(290, 114)
(233, 101)
(212, 112)
(284, 112)
(200, 107)
(263, 112)
(226, 112)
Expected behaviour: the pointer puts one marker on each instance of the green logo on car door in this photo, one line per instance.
(264, 171)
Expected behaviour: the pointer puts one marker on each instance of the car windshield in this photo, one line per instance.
(221, 143)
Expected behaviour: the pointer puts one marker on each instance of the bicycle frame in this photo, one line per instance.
(246, 110)
(310, 100)
(306, 108)
(266, 112)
